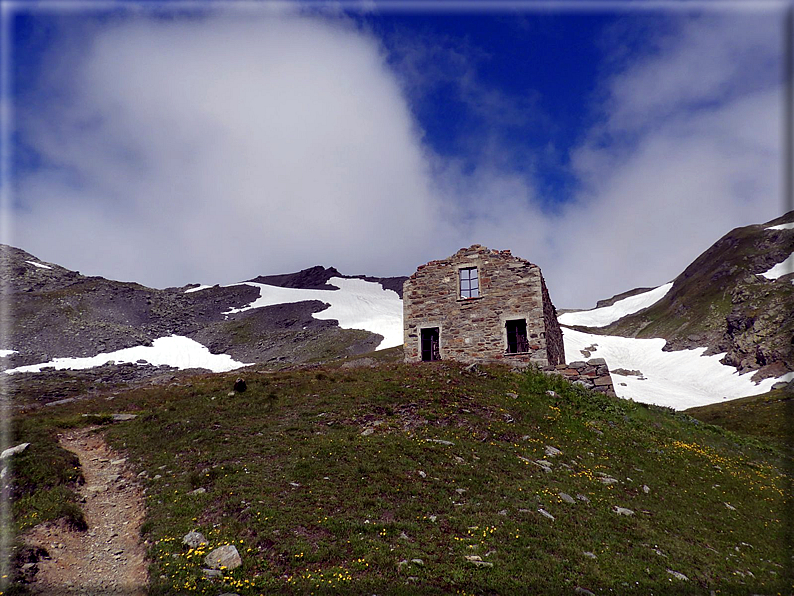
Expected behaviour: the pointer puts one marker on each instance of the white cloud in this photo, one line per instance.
(661, 179)
(221, 148)
(224, 149)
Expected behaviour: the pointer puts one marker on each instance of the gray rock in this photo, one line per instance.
(582, 591)
(14, 450)
(477, 561)
(440, 441)
(622, 510)
(224, 556)
(194, 539)
(678, 575)
(552, 451)
(567, 498)
(596, 361)
(199, 491)
(646, 489)
(545, 513)
(123, 417)
(211, 573)
(582, 497)
(474, 369)
(588, 554)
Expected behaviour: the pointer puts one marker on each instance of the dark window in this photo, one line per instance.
(469, 283)
(429, 341)
(517, 336)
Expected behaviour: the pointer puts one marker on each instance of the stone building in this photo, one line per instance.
(480, 305)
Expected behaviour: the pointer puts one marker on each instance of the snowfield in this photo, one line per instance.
(174, 350)
(681, 379)
(601, 317)
(201, 287)
(357, 304)
(785, 226)
(781, 269)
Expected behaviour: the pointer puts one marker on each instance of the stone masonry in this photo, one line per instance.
(593, 374)
(481, 305)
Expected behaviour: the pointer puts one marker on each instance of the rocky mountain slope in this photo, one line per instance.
(54, 312)
(724, 301)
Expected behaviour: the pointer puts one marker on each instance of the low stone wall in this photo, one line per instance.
(593, 374)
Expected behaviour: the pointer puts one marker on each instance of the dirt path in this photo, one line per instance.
(108, 558)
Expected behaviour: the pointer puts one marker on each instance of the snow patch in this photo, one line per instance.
(357, 304)
(785, 226)
(781, 269)
(175, 350)
(201, 287)
(601, 317)
(681, 379)
(4, 353)
(39, 265)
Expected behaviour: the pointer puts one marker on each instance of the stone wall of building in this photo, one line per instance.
(473, 329)
(554, 344)
(593, 374)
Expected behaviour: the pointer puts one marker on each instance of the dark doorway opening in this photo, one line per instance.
(430, 350)
(517, 336)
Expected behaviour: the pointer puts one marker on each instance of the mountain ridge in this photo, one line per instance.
(722, 301)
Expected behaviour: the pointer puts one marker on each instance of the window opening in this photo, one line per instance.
(517, 336)
(469, 283)
(430, 349)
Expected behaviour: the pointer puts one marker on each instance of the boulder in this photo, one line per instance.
(194, 539)
(14, 450)
(223, 557)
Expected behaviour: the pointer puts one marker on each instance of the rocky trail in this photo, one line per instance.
(108, 557)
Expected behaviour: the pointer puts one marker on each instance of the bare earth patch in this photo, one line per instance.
(108, 558)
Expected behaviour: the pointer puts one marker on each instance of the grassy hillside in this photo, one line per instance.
(767, 416)
(398, 479)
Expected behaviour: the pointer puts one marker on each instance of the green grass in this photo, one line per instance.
(767, 416)
(45, 475)
(315, 505)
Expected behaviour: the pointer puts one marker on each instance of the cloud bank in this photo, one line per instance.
(220, 148)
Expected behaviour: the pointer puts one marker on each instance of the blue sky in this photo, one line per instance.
(166, 144)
